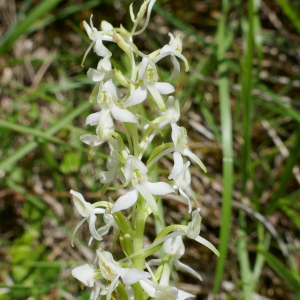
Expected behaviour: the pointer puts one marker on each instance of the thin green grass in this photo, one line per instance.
(226, 146)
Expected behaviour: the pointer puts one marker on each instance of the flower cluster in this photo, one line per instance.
(120, 280)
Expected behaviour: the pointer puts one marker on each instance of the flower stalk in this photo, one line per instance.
(119, 100)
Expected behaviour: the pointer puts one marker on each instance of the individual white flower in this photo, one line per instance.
(108, 101)
(95, 140)
(86, 274)
(106, 34)
(103, 71)
(179, 137)
(113, 166)
(182, 182)
(173, 49)
(112, 271)
(136, 172)
(88, 211)
(149, 81)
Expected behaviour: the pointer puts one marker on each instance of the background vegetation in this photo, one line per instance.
(241, 95)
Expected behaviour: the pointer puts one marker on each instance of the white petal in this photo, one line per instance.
(186, 199)
(100, 49)
(142, 68)
(84, 208)
(131, 276)
(123, 115)
(125, 201)
(85, 274)
(176, 70)
(206, 243)
(105, 63)
(94, 233)
(159, 188)
(87, 28)
(106, 26)
(111, 89)
(103, 118)
(178, 166)
(156, 96)
(165, 88)
(179, 265)
(175, 133)
(174, 246)
(144, 191)
(147, 286)
(195, 225)
(92, 119)
(131, 164)
(182, 295)
(138, 96)
(165, 51)
(95, 291)
(95, 75)
(194, 158)
(92, 140)
(112, 287)
(107, 176)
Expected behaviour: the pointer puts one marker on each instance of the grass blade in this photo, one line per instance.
(37, 12)
(291, 13)
(226, 145)
(281, 270)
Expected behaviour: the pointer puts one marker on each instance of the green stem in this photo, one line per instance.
(138, 235)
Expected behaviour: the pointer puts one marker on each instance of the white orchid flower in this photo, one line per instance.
(136, 172)
(149, 81)
(112, 271)
(107, 100)
(179, 137)
(99, 36)
(176, 249)
(88, 211)
(173, 49)
(103, 71)
(86, 274)
(182, 182)
(95, 140)
(113, 167)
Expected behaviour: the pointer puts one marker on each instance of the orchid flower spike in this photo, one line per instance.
(112, 271)
(86, 274)
(173, 49)
(88, 211)
(136, 172)
(148, 77)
